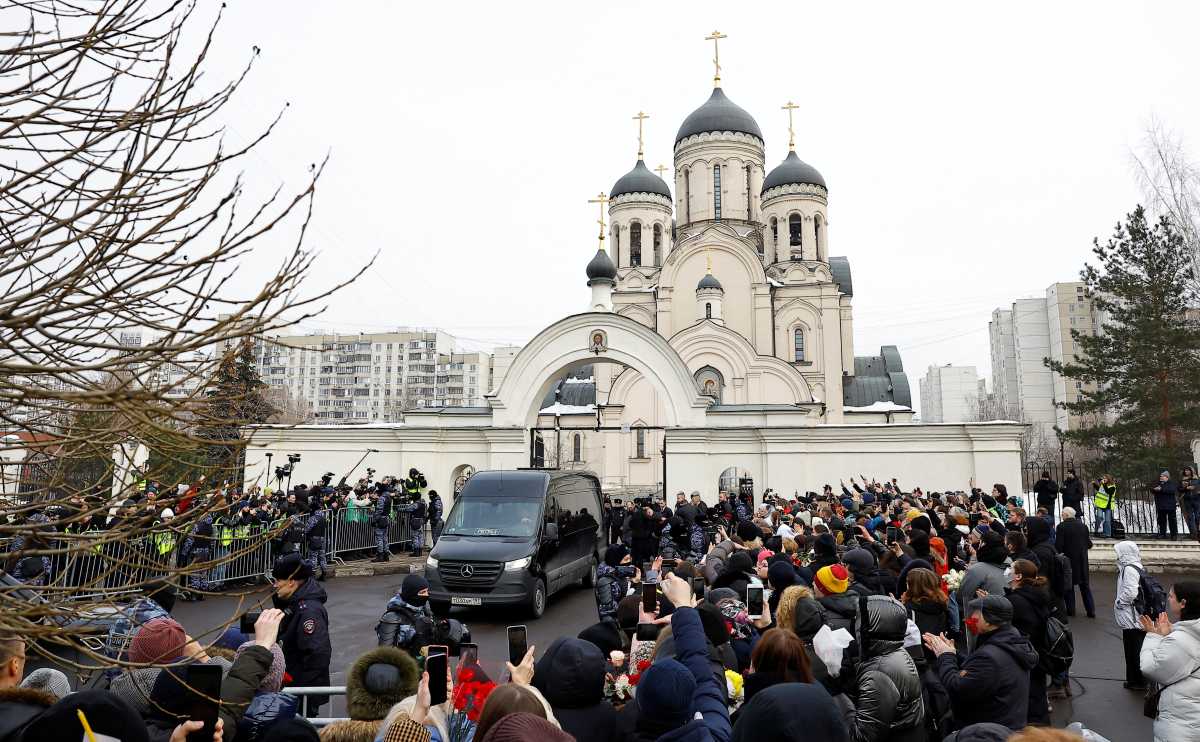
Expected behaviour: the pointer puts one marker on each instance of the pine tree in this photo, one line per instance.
(1141, 372)
(234, 399)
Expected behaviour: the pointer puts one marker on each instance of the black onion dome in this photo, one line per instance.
(709, 281)
(601, 266)
(718, 114)
(639, 180)
(793, 171)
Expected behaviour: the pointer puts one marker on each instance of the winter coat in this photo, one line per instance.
(304, 636)
(931, 617)
(1164, 495)
(714, 563)
(1073, 538)
(790, 712)
(690, 645)
(986, 575)
(264, 710)
(405, 626)
(1173, 661)
(1047, 493)
(612, 585)
(1039, 533)
(134, 686)
(18, 707)
(1031, 609)
(571, 677)
(992, 683)
(840, 610)
(169, 697)
(890, 706)
(1072, 494)
(1129, 561)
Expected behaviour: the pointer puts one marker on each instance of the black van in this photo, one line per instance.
(515, 538)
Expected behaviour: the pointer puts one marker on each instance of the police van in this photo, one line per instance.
(514, 538)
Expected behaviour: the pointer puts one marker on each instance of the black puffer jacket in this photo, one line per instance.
(890, 706)
(571, 677)
(992, 684)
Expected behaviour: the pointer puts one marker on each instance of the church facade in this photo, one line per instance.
(716, 350)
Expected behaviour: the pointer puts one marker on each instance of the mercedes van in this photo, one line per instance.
(516, 538)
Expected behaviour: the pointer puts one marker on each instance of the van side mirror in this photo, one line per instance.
(550, 532)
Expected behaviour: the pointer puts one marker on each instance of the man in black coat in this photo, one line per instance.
(992, 683)
(1046, 490)
(1039, 533)
(1072, 492)
(1165, 496)
(1073, 538)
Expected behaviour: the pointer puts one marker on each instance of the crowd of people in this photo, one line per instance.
(867, 613)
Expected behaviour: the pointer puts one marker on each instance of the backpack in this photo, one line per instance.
(1056, 655)
(939, 716)
(1066, 577)
(1151, 598)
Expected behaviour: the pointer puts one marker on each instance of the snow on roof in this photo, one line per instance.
(588, 380)
(879, 407)
(558, 408)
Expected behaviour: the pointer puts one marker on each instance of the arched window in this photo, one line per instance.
(716, 192)
(707, 311)
(799, 343)
(749, 194)
(774, 232)
(635, 244)
(577, 447)
(817, 235)
(641, 443)
(617, 243)
(657, 244)
(794, 237)
(687, 195)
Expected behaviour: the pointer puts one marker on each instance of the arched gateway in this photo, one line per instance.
(596, 337)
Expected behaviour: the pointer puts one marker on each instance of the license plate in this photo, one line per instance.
(465, 600)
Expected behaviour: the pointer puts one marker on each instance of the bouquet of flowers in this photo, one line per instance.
(471, 690)
(953, 579)
(618, 690)
(734, 685)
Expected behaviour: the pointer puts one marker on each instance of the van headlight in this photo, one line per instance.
(431, 563)
(516, 566)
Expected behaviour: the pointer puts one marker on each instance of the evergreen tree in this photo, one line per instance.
(235, 398)
(1141, 372)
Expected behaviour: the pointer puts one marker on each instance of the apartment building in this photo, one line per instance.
(1068, 308)
(950, 394)
(502, 358)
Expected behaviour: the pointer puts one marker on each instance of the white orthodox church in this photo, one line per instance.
(716, 351)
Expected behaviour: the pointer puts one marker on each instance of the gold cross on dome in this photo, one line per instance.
(660, 170)
(601, 199)
(791, 133)
(716, 40)
(640, 117)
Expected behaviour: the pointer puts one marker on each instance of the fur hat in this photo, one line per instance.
(378, 680)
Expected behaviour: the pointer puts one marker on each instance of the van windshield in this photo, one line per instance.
(501, 516)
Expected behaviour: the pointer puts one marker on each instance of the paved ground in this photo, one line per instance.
(355, 604)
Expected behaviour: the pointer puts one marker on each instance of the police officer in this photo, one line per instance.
(414, 510)
(381, 518)
(408, 622)
(314, 535)
(304, 633)
(435, 515)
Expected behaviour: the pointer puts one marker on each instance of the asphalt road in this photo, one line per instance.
(355, 605)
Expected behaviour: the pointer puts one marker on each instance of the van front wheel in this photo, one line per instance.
(589, 577)
(537, 601)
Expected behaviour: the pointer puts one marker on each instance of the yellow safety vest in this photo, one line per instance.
(1103, 497)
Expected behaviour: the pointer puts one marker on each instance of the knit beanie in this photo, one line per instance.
(524, 726)
(859, 561)
(158, 641)
(781, 575)
(273, 680)
(295, 729)
(832, 580)
(614, 554)
(825, 545)
(665, 692)
(231, 638)
(411, 587)
(48, 680)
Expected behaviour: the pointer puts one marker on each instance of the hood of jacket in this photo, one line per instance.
(397, 603)
(1037, 531)
(808, 616)
(19, 706)
(984, 732)
(366, 700)
(571, 674)
(844, 605)
(1128, 554)
(1013, 642)
(883, 628)
(792, 712)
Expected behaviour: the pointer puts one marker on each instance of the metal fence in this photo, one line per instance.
(1134, 505)
(88, 567)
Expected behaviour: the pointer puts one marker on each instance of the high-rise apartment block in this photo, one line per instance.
(1022, 337)
(950, 394)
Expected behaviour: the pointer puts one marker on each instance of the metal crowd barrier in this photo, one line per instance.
(305, 692)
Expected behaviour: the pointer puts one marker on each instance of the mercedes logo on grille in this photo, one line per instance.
(467, 570)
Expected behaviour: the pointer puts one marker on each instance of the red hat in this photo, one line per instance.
(832, 580)
(161, 640)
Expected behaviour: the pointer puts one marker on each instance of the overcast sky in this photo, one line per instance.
(972, 151)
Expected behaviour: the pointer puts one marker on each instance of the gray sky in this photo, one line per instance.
(972, 151)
